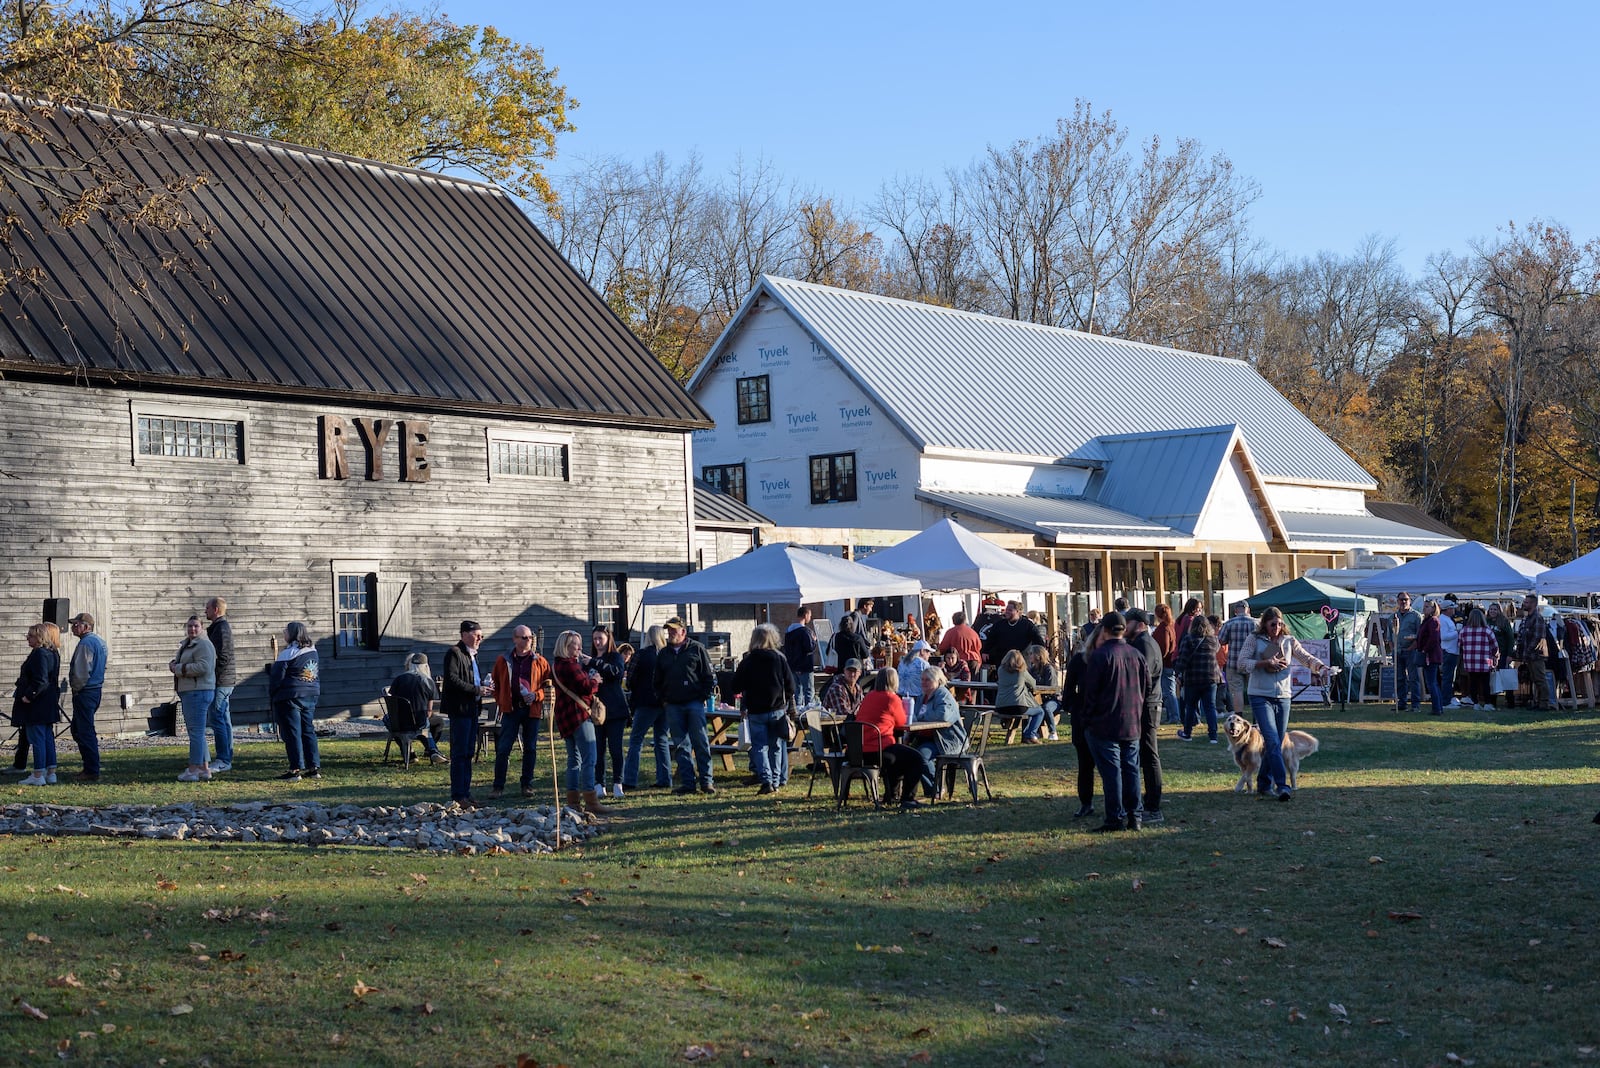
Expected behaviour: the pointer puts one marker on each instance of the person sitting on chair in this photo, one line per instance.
(415, 686)
(902, 766)
(938, 705)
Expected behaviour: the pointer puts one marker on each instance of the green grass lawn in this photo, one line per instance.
(780, 931)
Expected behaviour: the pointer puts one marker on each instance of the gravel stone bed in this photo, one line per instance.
(429, 827)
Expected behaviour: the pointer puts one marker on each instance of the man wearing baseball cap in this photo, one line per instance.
(465, 687)
(685, 682)
(86, 676)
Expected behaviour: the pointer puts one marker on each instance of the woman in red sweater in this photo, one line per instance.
(903, 767)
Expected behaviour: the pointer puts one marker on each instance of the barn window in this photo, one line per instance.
(371, 608)
(532, 459)
(725, 478)
(516, 453)
(833, 478)
(755, 399)
(186, 431)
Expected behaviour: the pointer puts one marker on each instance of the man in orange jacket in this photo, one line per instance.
(520, 681)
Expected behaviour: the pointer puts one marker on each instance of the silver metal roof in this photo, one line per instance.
(959, 380)
(1164, 476)
(1314, 531)
(1063, 520)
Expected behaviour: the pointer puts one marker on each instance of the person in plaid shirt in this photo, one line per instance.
(1235, 633)
(1480, 652)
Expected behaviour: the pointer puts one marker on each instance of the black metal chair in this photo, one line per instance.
(404, 725)
(823, 759)
(969, 761)
(855, 764)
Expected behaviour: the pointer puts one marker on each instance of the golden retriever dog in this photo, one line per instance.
(1248, 747)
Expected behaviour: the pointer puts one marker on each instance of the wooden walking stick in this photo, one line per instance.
(555, 776)
(549, 698)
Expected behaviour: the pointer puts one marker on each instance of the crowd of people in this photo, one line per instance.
(1128, 671)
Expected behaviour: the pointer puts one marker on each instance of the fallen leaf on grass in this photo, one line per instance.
(418, 877)
(1138, 884)
(1001, 1010)
(1275, 943)
(59, 889)
(1374, 860)
(30, 1011)
(229, 955)
(814, 1014)
(1295, 1015)
(42, 939)
(706, 1052)
(1241, 930)
(878, 949)
(1337, 1009)
(1029, 941)
(426, 1008)
(166, 884)
(1455, 1058)
(180, 1010)
(361, 989)
(1404, 917)
(68, 980)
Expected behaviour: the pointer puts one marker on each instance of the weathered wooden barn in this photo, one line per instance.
(368, 397)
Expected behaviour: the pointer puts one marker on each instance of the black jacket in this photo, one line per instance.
(1115, 684)
(460, 696)
(848, 645)
(40, 683)
(1004, 636)
(800, 648)
(764, 681)
(610, 668)
(1146, 644)
(642, 679)
(683, 674)
(221, 635)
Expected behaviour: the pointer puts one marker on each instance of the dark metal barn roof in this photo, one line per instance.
(311, 273)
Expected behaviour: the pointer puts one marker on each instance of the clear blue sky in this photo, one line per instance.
(1431, 124)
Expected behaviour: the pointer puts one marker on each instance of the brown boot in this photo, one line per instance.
(592, 805)
(575, 800)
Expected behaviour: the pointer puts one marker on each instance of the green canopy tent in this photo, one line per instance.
(1302, 601)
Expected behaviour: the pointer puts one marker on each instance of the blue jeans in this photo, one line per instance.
(1196, 702)
(196, 703)
(1272, 719)
(85, 703)
(805, 694)
(648, 720)
(1447, 677)
(1030, 729)
(220, 719)
(580, 758)
(1169, 695)
(1407, 679)
(463, 746)
(1430, 673)
(297, 723)
(769, 752)
(1118, 762)
(42, 739)
(687, 723)
(518, 723)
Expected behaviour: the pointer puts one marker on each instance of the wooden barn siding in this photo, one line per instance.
(262, 534)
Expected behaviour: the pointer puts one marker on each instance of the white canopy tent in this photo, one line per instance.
(949, 558)
(1579, 578)
(1471, 567)
(782, 574)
